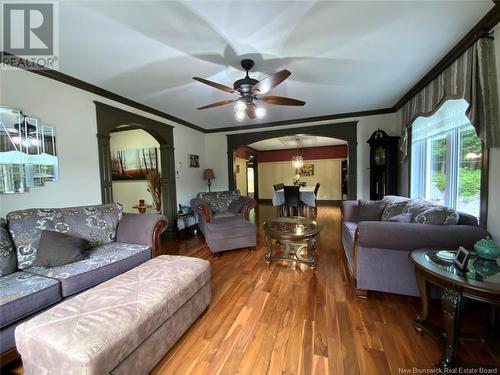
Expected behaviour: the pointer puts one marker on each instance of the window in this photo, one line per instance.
(446, 159)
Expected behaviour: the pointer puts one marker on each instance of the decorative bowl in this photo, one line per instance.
(486, 267)
(487, 249)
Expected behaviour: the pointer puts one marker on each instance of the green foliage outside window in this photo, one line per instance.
(470, 172)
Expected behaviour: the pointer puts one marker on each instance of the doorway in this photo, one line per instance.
(110, 118)
(345, 131)
(252, 178)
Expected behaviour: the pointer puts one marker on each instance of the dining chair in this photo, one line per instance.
(278, 186)
(292, 206)
(316, 189)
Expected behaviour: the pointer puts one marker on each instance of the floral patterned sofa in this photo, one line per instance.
(118, 243)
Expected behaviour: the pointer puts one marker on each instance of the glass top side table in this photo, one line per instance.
(481, 282)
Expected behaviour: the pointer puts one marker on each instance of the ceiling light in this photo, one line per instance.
(260, 112)
(240, 106)
(297, 160)
(240, 115)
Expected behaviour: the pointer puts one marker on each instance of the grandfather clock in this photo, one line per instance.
(383, 165)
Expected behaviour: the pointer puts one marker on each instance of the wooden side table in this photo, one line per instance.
(457, 288)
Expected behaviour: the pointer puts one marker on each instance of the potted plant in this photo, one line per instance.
(154, 187)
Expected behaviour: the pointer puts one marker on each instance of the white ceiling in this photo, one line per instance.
(287, 142)
(344, 56)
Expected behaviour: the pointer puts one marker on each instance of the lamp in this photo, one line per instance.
(297, 160)
(208, 174)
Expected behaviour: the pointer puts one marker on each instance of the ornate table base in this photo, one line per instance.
(300, 251)
(296, 235)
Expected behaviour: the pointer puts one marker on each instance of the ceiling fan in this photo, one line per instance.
(250, 90)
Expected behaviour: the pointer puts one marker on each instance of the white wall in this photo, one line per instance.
(216, 146)
(72, 112)
(189, 180)
(128, 193)
(494, 177)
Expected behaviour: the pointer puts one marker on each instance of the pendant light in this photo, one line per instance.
(297, 160)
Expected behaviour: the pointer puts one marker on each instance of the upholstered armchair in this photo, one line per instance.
(224, 220)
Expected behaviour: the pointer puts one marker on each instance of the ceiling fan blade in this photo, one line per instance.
(218, 104)
(270, 82)
(281, 100)
(216, 85)
(250, 110)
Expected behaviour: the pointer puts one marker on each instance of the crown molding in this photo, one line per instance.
(78, 83)
(304, 120)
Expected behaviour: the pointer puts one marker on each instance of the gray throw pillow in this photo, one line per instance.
(8, 261)
(438, 215)
(401, 218)
(236, 205)
(370, 210)
(56, 249)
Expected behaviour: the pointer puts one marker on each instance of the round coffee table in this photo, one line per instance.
(481, 282)
(298, 237)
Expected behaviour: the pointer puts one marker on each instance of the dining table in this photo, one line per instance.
(306, 196)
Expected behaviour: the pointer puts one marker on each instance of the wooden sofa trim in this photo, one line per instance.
(205, 211)
(361, 293)
(245, 211)
(157, 232)
(9, 356)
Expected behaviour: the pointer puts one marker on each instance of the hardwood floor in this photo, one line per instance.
(277, 319)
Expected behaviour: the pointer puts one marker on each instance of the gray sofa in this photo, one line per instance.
(223, 219)
(377, 251)
(118, 243)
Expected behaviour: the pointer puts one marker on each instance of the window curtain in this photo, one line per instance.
(472, 77)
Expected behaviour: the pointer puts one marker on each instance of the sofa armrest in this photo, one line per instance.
(350, 211)
(410, 236)
(247, 206)
(201, 207)
(142, 229)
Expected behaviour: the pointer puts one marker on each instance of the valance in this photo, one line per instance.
(473, 77)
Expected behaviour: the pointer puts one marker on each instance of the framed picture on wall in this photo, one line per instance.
(305, 170)
(133, 164)
(194, 161)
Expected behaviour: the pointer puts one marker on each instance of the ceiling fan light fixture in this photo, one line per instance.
(239, 106)
(260, 112)
(239, 115)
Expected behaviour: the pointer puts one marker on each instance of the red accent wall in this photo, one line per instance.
(245, 152)
(312, 153)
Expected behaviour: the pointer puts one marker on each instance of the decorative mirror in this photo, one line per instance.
(28, 154)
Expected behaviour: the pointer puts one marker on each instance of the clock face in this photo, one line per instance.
(379, 156)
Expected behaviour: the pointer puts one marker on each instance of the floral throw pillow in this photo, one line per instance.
(438, 215)
(395, 206)
(8, 263)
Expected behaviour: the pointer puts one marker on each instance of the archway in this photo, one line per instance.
(109, 118)
(346, 131)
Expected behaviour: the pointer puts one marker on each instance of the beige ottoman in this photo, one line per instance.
(122, 326)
